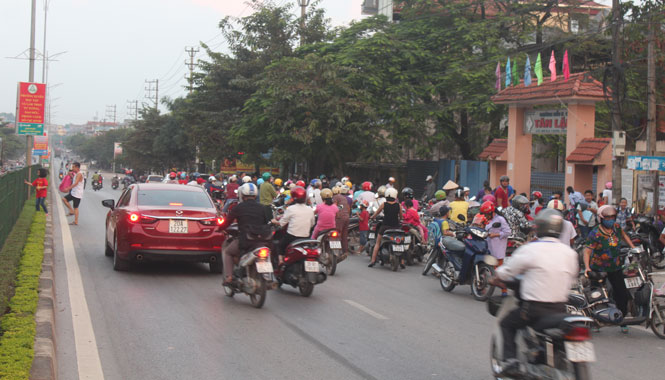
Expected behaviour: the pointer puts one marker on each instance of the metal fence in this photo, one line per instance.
(13, 194)
(547, 183)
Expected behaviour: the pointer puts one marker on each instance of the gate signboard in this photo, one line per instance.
(30, 108)
(546, 122)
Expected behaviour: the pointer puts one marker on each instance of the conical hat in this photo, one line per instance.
(450, 185)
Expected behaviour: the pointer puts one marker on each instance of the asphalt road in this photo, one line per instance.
(172, 321)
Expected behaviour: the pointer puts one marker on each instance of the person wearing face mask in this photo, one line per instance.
(602, 254)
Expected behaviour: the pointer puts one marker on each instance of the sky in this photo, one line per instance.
(106, 49)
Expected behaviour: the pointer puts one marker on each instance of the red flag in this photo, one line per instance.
(566, 68)
(552, 67)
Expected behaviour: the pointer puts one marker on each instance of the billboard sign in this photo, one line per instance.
(117, 149)
(30, 103)
(646, 163)
(546, 122)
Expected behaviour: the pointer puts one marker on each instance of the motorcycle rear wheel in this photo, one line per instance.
(430, 261)
(306, 289)
(259, 298)
(394, 263)
(448, 284)
(582, 371)
(658, 259)
(331, 265)
(480, 287)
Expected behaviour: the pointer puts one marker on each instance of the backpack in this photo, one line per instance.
(66, 182)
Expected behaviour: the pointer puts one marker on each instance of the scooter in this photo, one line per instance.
(252, 274)
(416, 248)
(97, 185)
(450, 264)
(392, 247)
(331, 250)
(115, 182)
(301, 267)
(556, 347)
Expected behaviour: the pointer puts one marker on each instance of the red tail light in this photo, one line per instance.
(578, 334)
(220, 221)
(334, 234)
(134, 218)
(138, 218)
(312, 252)
(213, 221)
(263, 253)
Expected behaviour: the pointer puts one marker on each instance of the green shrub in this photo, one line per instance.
(17, 327)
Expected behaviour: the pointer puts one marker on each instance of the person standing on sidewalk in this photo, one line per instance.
(75, 193)
(41, 185)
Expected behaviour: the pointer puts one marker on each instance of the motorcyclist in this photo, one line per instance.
(392, 216)
(459, 207)
(430, 189)
(267, 192)
(549, 269)
(441, 200)
(516, 217)
(172, 178)
(342, 217)
(95, 177)
(231, 192)
(568, 232)
(367, 194)
(407, 193)
(535, 197)
(210, 185)
(299, 218)
(253, 219)
(326, 212)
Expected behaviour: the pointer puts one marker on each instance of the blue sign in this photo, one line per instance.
(39, 152)
(646, 163)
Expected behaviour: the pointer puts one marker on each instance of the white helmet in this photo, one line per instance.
(391, 193)
(212, 178)
(555, 204)
(249, 190)
(246, 179)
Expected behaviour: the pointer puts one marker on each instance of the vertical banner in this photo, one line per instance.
(30, 106)
(117, 149)
(40, 146)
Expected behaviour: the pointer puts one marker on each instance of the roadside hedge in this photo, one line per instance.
(17, 327)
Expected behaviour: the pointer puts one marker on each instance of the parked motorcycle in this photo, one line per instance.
(301, 267)
(646, 228)
(331, 250)
(450, 262)
(556, 347)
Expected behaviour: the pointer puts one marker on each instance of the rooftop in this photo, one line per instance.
(580, 86)
(588, 150)
(495, 149)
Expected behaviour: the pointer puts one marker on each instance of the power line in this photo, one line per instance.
(153, 86)
(191, 51)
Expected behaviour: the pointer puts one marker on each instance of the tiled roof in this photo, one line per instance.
(494, 149)
(588, 150)
(579, 86)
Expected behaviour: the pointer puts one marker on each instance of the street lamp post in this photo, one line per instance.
(303, 13)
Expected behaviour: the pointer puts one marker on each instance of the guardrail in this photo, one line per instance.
(13, 194)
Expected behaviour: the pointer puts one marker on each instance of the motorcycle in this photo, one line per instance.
(301, 267)
(416, 249)
(97, 185)
(556, 347)
(392, 247)
(253, 274)
(450, 262)
(115, 182)
(645, 227)
(331, 250)
(371, 235)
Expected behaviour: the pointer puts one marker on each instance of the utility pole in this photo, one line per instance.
(111, 113)
(192, 52)
(616, 102)
(651, 112)
(31, 78)
(153, 86)
(133, 109)
(303, 14)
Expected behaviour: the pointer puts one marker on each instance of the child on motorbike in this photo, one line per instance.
(411, 217)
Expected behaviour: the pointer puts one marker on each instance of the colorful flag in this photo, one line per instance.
(527, 72)
(508, 78)
(498, 77)
(566, 68)
(516, 75)
(552, 67)
(538, 69)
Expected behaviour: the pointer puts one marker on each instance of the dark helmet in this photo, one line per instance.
(521, 203)
(549, 222)
(407, 193)
(298, 194)
(459, 193)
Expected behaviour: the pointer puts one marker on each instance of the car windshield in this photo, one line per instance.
(173, 198)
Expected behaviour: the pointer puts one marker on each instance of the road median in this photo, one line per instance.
(18, 325)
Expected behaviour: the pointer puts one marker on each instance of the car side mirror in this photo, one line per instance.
(110, 203)
(461, 217)
(496, 225)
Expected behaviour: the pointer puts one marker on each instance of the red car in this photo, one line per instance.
(163, 222)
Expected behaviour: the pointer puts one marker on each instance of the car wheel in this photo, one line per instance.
(119, 264)
(109, 251)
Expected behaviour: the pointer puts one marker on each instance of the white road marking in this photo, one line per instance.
(87, 354)
(366, 310)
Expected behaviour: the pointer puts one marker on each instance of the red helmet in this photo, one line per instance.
(367, 186)
(172, 175)
(301, 184)
(298, 194)
(536, 195)
(487, 207)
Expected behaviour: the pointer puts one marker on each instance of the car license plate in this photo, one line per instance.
(335, 244)
(178, 226)
(372, 235)
(311, 266)
(398, 248)
(580, 352)
(264, 266)
(632, 282)
(407, 239)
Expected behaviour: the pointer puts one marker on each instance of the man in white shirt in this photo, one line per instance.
(298, 217)
(568, 233)
(549, 269)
